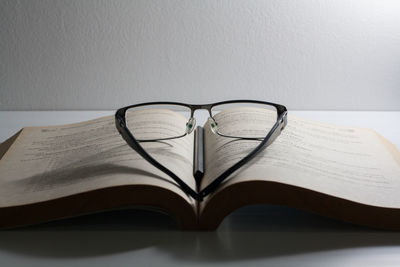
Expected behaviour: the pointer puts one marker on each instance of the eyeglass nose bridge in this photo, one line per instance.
(213, 124)
(201, 107)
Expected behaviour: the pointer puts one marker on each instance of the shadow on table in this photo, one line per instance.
(249, 233)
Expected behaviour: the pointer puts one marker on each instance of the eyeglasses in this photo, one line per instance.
(235, 119)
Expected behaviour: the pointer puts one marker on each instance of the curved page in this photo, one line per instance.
(345, 162)
(51, 162)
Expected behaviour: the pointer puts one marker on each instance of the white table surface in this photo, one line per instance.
(257, 235)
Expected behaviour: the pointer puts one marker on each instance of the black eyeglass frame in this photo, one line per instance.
(120, 123)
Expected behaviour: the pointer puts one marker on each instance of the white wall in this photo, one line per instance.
(340, 55)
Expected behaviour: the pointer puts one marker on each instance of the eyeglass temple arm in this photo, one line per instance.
(269, 139)
(120, 124)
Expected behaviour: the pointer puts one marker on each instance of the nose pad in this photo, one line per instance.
(213, 125)
(190, 125)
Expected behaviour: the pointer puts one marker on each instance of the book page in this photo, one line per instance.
(350, 163)
(51, 162)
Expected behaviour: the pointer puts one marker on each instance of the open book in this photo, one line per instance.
(55, 172)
